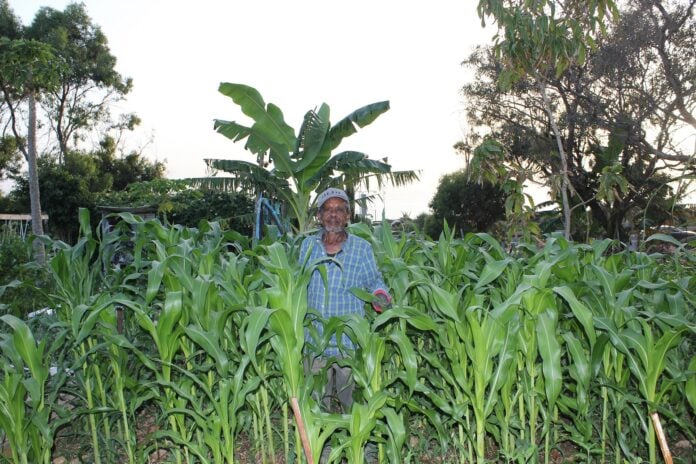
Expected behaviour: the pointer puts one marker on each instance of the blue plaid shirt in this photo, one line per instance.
(358, 268)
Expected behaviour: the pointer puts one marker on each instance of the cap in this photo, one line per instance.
(331, 193)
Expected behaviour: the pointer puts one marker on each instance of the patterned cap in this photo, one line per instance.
(331, 193)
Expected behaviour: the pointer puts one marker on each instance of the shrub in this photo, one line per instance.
(22, 282)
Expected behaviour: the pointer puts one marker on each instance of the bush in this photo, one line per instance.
(22, 282)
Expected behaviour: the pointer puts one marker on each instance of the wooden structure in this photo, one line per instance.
(18, 223)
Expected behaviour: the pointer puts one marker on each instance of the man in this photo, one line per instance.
(349, 263)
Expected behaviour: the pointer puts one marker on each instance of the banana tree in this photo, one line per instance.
(299, 164)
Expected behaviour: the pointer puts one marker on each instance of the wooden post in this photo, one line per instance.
(661, 438)
(303, 433)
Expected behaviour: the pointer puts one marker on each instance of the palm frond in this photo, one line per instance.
(218, 184)
(355, 168)
(232, 130)
(245, 176)
(309, 120)
(268, 119)
(401, 178)
(312, 154)
(360, 118)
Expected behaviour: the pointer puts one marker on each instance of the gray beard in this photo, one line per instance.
(334, 230)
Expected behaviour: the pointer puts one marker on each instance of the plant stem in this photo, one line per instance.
(90, 407)
(269, 428)
(286, 438)
(605, 419)
(480, 440)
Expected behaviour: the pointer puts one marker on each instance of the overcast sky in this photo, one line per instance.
(298, 54)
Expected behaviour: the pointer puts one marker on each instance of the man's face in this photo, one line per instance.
(333, 215)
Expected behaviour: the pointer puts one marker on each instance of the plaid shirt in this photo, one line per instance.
(358, 268)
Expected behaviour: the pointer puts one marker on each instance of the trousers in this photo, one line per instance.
(338, 394)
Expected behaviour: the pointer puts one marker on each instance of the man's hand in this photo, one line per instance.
(383, 301)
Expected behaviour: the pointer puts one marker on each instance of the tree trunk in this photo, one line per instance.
(564, 161)
(35, 200)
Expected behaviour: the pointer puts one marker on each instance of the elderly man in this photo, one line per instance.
(349, 263)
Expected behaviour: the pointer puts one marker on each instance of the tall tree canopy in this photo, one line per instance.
(27, 69)
(61, 63)
(621, 116)
(541, 39)
(89, 82)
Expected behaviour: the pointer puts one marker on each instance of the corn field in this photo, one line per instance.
(193, 347)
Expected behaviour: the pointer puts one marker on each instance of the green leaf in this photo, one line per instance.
(492, 271)
(167, 320)
(253, 325)
(209, 341)
(154, 280)
(412, 316)
(86, 325)
(408, 358)
(445, 302)
(23, 341)
(690, 389)
(581, 312)
(579, 358)
(397, 433)
(360, 117)
(268, 119)
(550, 351)
(311, 140)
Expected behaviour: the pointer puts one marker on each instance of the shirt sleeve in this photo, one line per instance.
(374, 280)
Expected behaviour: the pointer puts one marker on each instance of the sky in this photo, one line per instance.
(298, 54)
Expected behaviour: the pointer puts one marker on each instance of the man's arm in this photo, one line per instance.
(376, 283)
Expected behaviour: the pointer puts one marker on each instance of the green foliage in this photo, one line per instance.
(115, 172)
(89, 68)
(23, 284)
(485, 355)
(610, 127)
(10, 24)
(178, 203)
(466, 205)
(541, 40)
(10, 157)
(302, 163)
(25, 415)
(233, 210)
(79, 181)
(26, 65)
(544, 38)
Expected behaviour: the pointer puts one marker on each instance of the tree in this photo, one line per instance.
(541, 40)
(118, 172)
(27, 68)
(302, 163)
(617, 113)
(89, 83)
(10, 25)
(466, 205)
(80, 180)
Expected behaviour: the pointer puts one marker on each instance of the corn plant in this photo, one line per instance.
(492, 355)
(85, 313)
(24, 411)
